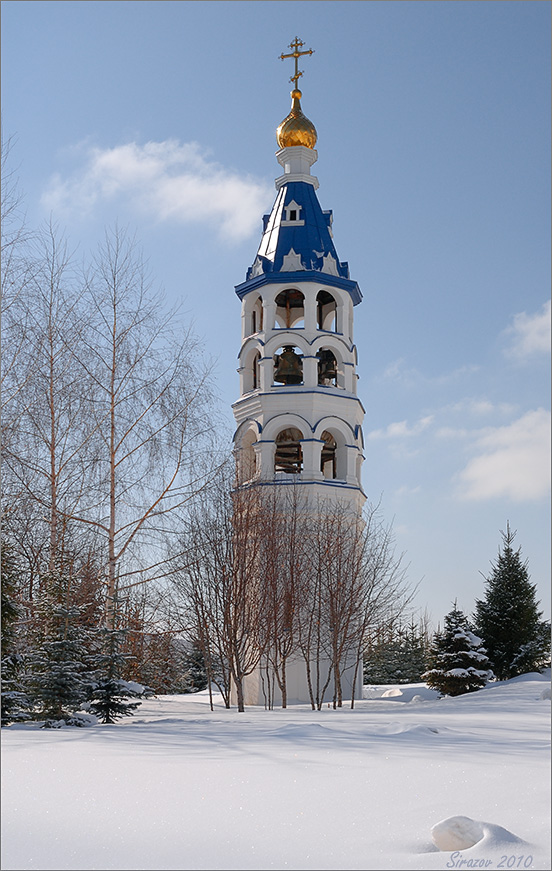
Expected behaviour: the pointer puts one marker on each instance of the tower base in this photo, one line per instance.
(261, 687)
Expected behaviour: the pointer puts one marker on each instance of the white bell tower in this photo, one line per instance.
(299, 419)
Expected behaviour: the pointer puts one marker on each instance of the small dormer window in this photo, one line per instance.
(292, 214)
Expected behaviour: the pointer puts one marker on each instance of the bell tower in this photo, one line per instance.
(298, 417)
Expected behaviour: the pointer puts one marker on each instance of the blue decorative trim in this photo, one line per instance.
(249, 421)
(326, 482)
(339, 392)
(334, 417)
(293, 277)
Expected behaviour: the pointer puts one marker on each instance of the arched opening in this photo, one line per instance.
(290, 309)
(257, 316)
(255, 371)
(328, 458)
(251, 371)
(327, 368)
(326, 311)
(247, 459)
(288, 366)
(289, 455)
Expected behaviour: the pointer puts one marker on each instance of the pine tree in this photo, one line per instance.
(508, 619)
(458, 659)
(110, 696)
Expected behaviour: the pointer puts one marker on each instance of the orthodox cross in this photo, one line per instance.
(295, 46)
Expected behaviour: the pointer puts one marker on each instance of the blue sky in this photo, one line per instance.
(433, 123)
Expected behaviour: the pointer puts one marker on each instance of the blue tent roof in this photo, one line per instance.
(308, 236)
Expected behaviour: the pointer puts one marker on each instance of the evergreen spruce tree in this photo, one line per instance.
(398, 655)
(59, 676)
(195, 671)
(15, 702)
(415, 653)
(508, 619)
(110, 696)
(458, 659)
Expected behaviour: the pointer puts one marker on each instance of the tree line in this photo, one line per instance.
(505, 637)
(109, 426)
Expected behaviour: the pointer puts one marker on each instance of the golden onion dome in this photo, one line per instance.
(296, 129)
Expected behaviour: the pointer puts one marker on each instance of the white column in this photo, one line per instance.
(269, 315)
(347, 379)
(352, 454)
(310, 312)
(340, 320)
(265, 373)
(310, 371)
(241, 373)
(312, 450)
(266, 451)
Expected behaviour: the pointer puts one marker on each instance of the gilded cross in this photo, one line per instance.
(295, 46)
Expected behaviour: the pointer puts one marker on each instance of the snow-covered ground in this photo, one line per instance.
(180, 787)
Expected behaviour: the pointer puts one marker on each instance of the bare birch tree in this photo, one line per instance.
(284, 579)
(221, 583)
(152, 416)
(47, 456)
(15, 276)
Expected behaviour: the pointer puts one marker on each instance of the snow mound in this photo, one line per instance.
(461, 833)
(496, 837)
(456, 833)
(410, 729)
(307, 730)
(530, 675)
(406, 693)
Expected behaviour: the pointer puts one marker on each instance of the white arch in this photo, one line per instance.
(285, 421)
(335, 425)
(248, 423)
(296, 313)
(347, 447)
(326, 312)
(276, 289)
(338, 344)
(249, 341)
(247, 467)
(286, 337)
(249, 374)
(342, 353)
(344, 308)
(252, 305)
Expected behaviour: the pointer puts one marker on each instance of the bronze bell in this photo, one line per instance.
(327, 366)
(289, 366)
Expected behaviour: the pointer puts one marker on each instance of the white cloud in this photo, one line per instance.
(513, 461)
(169, 181)
(405, 491)
(529, 334)
(401, 429)
(471, 408)
(480, 407)
(450, 432)
(398, 371)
